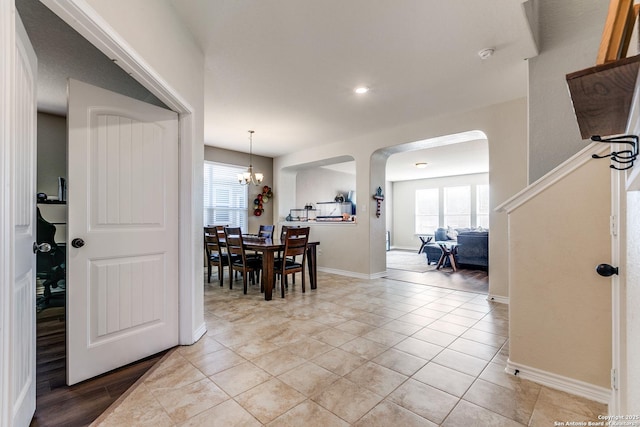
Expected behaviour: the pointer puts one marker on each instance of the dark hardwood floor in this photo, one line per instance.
(80, 404)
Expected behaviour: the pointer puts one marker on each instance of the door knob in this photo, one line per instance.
(606, 270)
(77, 243)
(42, 247)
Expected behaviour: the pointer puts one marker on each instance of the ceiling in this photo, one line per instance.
(63, 53)
(287, 68)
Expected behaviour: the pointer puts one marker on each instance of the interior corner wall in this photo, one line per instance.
(570, 33)
(52, 152)
(507, 176)
(260, 164)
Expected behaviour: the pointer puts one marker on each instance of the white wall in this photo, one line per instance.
(404, 219)
(506, 130)
(633, 296)
(570, 35)
(321, 185)
(560, 309)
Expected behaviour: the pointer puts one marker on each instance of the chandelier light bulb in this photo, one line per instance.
(249, 177)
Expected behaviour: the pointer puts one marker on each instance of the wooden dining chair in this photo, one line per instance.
(266, 231)
(295, 244)
(215, 255)
(283, 236)
(238, 259)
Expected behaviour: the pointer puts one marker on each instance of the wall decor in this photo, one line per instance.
(261, 199)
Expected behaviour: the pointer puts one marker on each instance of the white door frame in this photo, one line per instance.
(618, 291)
(82, 18)
(17, 400)
(7, 46)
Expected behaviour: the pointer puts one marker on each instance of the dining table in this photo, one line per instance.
(268, 248)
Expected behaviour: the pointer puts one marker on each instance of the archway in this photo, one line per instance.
(460, 159)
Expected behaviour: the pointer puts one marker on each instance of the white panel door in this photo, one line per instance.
(23, 189)
(122, 279)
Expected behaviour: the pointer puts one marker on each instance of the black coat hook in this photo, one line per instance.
(624, 158)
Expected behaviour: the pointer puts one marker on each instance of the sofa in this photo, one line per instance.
(472, 246)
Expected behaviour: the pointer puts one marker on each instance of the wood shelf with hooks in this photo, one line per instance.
(602, 96)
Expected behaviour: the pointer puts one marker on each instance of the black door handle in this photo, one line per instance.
(606, 270)
(77, 243)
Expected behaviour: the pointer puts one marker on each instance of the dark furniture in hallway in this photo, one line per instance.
(473, 248)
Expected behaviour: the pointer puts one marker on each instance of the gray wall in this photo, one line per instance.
(52, 152)
(260, 164)
(63, 53)
(570, 35)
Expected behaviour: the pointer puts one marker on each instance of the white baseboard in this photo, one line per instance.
(199, 332)
(352, 273)
(559, 382)
(498, 298)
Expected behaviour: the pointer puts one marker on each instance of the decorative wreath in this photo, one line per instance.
(261, 199)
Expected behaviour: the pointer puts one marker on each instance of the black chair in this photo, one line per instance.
(266, 231)
(238, 259)
(295, 244)
(51, 265)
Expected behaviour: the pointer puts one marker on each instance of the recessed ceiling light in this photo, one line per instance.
(360, 90)
(421, 165)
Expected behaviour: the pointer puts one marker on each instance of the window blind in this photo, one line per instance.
(225, 200)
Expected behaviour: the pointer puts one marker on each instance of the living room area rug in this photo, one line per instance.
(409, 266)
(408, 261)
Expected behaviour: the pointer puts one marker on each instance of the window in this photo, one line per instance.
(427, 210)
(482, 206)
(225, 201)
(457, 207)
(463, 206)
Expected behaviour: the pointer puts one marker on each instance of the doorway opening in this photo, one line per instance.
(62, 53)
(435, 189)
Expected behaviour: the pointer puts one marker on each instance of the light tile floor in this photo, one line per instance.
(353, 352)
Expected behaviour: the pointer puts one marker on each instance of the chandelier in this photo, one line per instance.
(249, 176)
